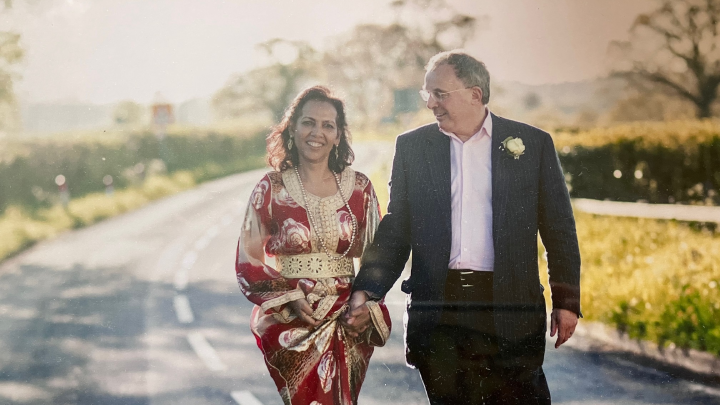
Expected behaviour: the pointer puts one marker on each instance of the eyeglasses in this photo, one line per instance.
(437, 94)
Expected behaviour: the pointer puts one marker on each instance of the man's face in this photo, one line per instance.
(455, 112)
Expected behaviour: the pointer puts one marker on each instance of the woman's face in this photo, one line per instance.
(315, 132)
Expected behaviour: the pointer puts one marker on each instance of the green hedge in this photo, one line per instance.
(656, 162)
(28, 169)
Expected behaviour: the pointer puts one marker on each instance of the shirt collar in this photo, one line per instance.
(485, 129)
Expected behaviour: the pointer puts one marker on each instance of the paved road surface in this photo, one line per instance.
(144, 309)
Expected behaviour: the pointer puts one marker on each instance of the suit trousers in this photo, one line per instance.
(462, 364)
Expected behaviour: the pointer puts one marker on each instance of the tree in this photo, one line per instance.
(11, 53)
(676, 48)
(373, 60)
(291, 66)
(366, 65)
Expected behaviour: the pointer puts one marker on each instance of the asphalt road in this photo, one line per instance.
(144, 309)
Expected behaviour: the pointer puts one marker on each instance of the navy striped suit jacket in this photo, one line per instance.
(529, 195)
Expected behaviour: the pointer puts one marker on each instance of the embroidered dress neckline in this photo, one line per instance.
(324, 209)
(347, 183)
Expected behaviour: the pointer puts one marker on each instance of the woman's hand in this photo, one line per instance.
(357, 319)
(301, 308)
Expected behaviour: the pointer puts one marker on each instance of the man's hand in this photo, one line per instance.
(357, 318)
(562, 322)
(301, 308)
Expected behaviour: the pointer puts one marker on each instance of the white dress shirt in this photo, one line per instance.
(471, 196)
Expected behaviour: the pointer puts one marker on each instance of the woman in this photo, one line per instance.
(313, 214)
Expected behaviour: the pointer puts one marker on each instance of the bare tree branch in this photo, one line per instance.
(688, 30)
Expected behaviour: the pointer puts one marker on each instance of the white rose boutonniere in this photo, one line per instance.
(513, 146)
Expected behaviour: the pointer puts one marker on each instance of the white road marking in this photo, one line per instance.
(189, 259)
(644, 369)
(212, 232)
(202, 243)
(166, 261)
(703, 388)
(206, 352)
(209, 235)
(181, 279)
(245, 398)
(182, 309)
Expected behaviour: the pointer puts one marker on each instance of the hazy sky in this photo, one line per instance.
(104, 51)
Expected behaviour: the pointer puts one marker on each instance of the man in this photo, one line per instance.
(468, 196)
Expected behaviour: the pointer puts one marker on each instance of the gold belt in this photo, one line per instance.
(314, 265)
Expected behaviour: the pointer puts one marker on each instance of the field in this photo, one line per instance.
(655, 280)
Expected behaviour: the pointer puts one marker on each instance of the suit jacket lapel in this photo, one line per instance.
(500, 177)
(437, 154)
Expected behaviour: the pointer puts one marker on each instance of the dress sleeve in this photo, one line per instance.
(372, 216)
(260, 283)
(379, 333)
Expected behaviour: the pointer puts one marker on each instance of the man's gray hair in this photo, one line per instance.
(469, 70)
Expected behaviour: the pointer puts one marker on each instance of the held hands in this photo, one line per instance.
(562, 322)
(357, 319)
(301, 308)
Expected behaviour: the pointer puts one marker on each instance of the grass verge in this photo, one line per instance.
(652, 279)
(21, 227)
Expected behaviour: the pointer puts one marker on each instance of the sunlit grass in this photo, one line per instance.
(671, 134)
(655, 280)
(20, 228)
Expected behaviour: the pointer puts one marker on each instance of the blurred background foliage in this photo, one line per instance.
(11, 54)
(668, 69)
(27, 174)
(369, 66)
(106, 175)
(675, 50)
(657, 162)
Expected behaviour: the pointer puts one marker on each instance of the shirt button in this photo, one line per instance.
(464, 249)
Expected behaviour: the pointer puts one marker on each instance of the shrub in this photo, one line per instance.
(655, 162)
(28, 168)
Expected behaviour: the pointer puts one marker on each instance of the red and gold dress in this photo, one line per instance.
(310, 365)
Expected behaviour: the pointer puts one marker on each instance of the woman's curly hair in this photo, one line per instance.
(280, 158)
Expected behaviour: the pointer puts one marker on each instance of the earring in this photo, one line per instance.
(337, 153)
(290, 143)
